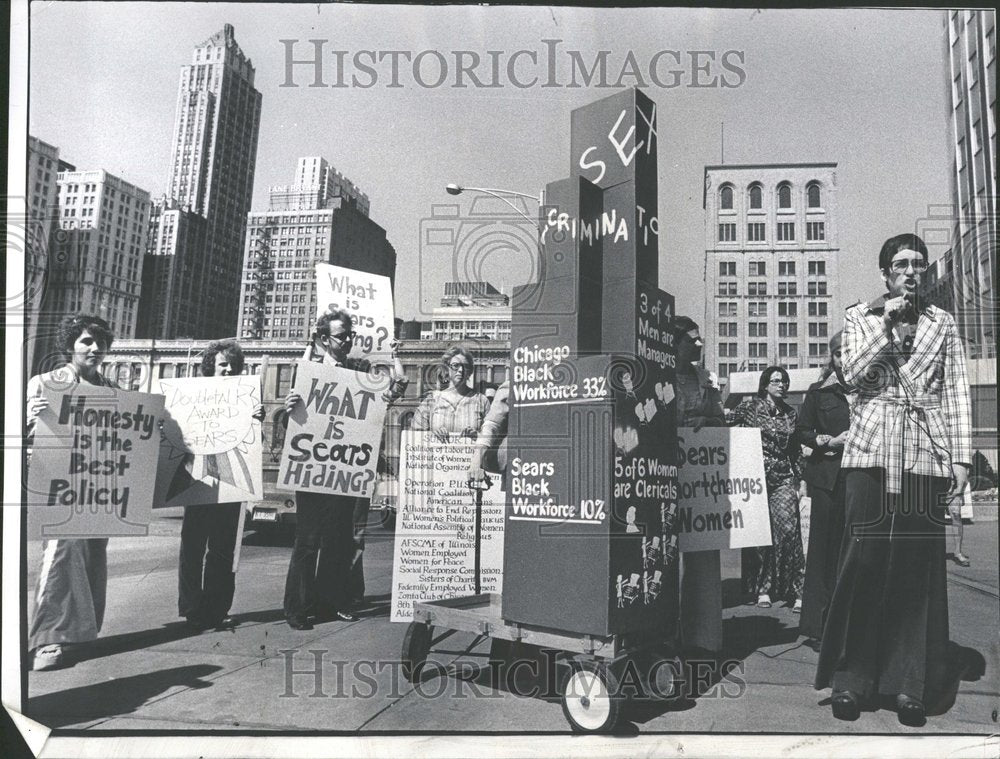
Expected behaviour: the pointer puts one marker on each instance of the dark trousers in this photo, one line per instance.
(319, 573)
(356, 589)
(205, 580)
(826, 536)
(886, 630)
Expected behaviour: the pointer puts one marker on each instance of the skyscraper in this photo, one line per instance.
(192, 286)
(97, 253)
(971, 262)
(771, 266)
(320, 217)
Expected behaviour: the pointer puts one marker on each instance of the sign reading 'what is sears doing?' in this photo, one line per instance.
(722, 499)
(211, 447)
(334, 435)
(366, 297)
(93, 452)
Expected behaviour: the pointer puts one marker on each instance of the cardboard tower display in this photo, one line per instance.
(591, 481)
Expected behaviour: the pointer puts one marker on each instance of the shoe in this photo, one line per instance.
(297, 623)
(197, 624)
(961, 559)
(797, 606)
(48, 657)
(910, 711)
(345, 616)
(763, 601)
(844, 704)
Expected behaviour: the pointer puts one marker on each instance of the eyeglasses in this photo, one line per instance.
(899, 267)
(343, 337)
(459, 365)
(778, 382)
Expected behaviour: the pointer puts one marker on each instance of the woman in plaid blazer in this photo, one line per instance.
(907, 453)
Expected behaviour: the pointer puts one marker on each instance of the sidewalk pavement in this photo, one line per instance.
(148, 672)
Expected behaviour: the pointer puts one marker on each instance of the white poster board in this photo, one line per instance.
(722, 498)
(92, 454)
(334, 435)
(366, 297)
(211, 446)
(434, 555)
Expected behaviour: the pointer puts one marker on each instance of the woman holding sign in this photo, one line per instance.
(822, 426)
(72, 584)
(776, 569)
(206, 581)
(458, 410)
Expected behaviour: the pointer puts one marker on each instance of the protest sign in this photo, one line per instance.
(434, 554)
(211, 445)
(366, 297)
(335, 433)
(722, 499)
(92, 454)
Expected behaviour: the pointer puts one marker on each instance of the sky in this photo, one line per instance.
(866, 89)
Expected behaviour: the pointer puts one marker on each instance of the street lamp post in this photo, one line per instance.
(456, 189)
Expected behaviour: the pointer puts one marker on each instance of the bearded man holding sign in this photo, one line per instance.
(327, 536)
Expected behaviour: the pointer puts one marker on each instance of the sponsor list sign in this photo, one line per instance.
(722, 491)
(434, 555)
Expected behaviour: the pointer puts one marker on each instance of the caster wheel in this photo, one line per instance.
(416, 646)
(591, 702)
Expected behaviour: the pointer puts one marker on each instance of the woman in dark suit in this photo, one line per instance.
(822, 426)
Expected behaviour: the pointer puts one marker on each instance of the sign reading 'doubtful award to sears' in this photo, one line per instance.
(366, 297)
(434, 556)
(334, 434)
(92, 454)
(211, 446)
(722, 499)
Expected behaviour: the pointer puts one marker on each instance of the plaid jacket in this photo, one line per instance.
(911, 413)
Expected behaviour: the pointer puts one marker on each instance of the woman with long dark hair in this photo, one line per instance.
(72, 585)
(823, 423)
(775, 570)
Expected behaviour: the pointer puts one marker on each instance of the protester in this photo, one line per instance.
(72, 586)
(457, 410)
(490, 453)
(205, 577)
(330, 529)
(699, 404)
(775, 570)
(907, 453)
(822, 426)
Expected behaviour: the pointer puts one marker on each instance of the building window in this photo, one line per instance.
(815, 230)
(788, 329)
(757, 288)
(756, 196)
(813, 199)
(788, 309)
(757, 308)
(817, 349)
(727, 350)
(727, 232)
(757, 350)
(817, 268)
(786, 231)
(817, 288)
(727, 308)
(788, 350)
(727, 268)
(784, 196)
(726, 198)
(787, 288)
(786, 268)
(817, 309)
(758, 268)
(758, 329)
(817, 329)
(727, 329)
(755, 232)
(727, 288)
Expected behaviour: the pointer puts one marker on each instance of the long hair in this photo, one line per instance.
(230, 349)
(765, 379)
